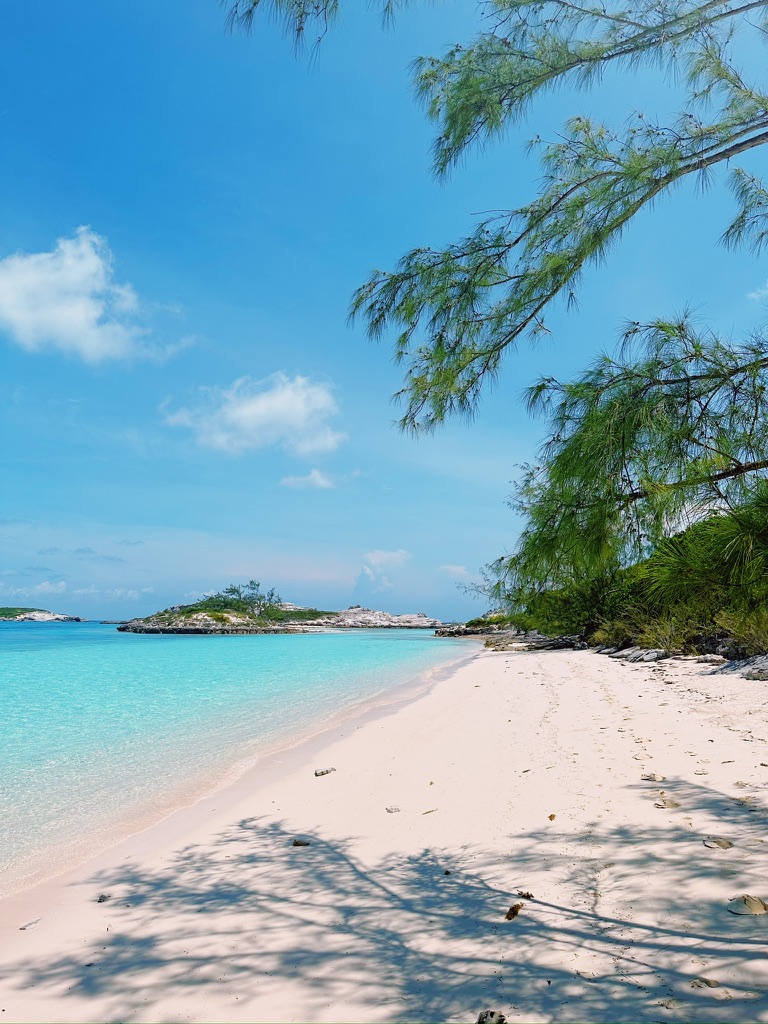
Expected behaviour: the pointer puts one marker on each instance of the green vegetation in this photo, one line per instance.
(489, 620)
(673, 431)
(703, 588)
(261, 608)
(246, 599)
(12, 613)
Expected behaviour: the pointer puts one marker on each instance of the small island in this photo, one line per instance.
(247, 609)
(35, 615)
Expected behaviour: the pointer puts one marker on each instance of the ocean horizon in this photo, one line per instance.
(107, 732)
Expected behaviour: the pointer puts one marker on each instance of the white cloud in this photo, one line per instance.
(68, 300)
(313, 479)
(291, 412)
(760, 294)
(387, 558)
(370, 581)
(372, 578)
(113, 593)
(454, 570)
(39, 590)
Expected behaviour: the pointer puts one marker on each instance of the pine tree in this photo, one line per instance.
(674, 427)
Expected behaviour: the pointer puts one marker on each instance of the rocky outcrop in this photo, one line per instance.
(519, 640)
(226, 623)
(366, 618)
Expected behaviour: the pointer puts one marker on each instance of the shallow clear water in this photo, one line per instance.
(100, 727)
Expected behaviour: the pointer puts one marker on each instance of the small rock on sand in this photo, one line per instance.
(747, 904)
(714, 842)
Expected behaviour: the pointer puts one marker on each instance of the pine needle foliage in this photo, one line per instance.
(724, 556)
(455, 312)
(639, 446)
(297, 17)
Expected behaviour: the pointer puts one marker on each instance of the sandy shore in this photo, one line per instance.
(519, 773)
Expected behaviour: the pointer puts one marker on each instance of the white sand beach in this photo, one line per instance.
(515, 781)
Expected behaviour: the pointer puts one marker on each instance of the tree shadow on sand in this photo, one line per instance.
(424, 937)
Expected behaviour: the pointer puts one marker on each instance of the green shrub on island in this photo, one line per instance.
(243, 600)
(12, 613)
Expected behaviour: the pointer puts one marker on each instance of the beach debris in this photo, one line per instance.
(715, 842)
(323, 771)
(705, 983)
(513, 911)
(103, 897)
(491, 1017)
(393, 810)
(653, 777)
(552, 817)
(741, 785)
(745, 801)
(29, 924)
(701, 771)
(432, 811)
(747, 904)
(301, 842)
(525, 894)
(666, 801)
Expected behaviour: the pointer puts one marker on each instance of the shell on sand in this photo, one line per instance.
(747, 904)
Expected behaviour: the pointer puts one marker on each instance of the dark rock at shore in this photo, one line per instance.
(139, 626)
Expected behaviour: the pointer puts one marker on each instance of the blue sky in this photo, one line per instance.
(184, 214)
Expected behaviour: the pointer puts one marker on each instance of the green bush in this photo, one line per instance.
(747, 628)
(489, 620)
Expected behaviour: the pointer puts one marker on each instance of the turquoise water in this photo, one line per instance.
(101, 728)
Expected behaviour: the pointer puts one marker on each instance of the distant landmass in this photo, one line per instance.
(284, 618)
(35, 615)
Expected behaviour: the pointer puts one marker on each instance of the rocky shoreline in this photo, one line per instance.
(139, 626)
